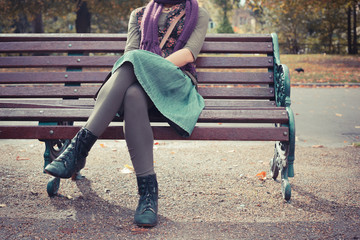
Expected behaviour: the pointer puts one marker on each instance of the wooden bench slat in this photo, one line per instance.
(234, 62)
(108, 61)
(11, 37)
(88, 103)
(89, 92)
(98, 77)
(52, 77)
(232, 93)
(21, 37)
(227, 116)
(237, 47)
(119, 47)
(62, 46)
(229, 37)
(57, 61)
(160, 133)
(235, 77)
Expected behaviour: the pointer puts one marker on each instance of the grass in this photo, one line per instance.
(321, 68)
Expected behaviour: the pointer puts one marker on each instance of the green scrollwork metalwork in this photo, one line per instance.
(282, 86)
(284, 155)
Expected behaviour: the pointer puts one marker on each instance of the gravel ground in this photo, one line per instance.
(208, 190)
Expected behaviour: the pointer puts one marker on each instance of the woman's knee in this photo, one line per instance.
(125, 72)
(135, 97)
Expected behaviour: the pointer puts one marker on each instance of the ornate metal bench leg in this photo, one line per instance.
(291, 155)
(279, 163)
(53, 148)
(53, 186)
(285, 185)
(47, 158)
(274, 165)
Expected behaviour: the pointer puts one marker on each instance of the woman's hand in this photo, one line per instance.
(181, 57)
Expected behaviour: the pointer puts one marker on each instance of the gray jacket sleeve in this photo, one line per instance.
(133, 35)
(197, 38)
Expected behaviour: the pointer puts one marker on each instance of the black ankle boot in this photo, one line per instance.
(146, 211)
(73, 158)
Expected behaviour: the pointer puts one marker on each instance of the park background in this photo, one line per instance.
(224, 199)
(319, 36)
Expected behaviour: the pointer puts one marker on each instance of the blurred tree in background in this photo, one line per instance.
(80, 16)
(309, 26)
(225, 7)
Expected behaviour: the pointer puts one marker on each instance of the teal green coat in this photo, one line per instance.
(169, 88)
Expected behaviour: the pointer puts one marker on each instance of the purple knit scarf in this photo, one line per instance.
(149, 26)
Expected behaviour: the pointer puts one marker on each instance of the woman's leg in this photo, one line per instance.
(139, 138)
(110, 99)
(138, 133)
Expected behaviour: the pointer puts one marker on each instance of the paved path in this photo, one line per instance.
(208, 190)
(326, 116)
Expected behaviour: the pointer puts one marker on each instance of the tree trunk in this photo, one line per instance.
(349, 30)
(22, 25)
(83, 18)
(37, 24)
(355, 49)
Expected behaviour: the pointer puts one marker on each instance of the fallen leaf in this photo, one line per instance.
(102, 145)
(338, 114)
(2, 205)
(18, 158)
(129, 167)
(126, 171)
(137, 230)
(261, 175)
(69, 197)
(156, 143)
(317, 146)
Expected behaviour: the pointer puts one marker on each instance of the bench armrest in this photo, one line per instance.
(282, 86)
(282, 98)
(281, 77)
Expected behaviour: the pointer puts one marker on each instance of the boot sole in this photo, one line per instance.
(55, 175)
(146, 225)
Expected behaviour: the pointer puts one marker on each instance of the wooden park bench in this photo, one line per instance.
(52, 79)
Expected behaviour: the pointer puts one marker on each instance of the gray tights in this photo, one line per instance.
(123, 89)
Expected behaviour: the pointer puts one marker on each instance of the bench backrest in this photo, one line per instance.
(239, 66)
(55, 76)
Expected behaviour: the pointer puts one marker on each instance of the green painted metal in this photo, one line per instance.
(49, 144)
(282, 87)
(53, 186)
(291, 156)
